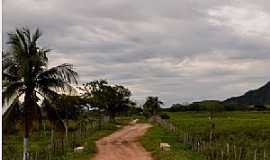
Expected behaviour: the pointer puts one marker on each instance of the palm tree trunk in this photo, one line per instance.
(26, 137)
(52, 136)
(27, 121)
(25, 148)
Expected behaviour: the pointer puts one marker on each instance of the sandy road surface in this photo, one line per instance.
(123, 144)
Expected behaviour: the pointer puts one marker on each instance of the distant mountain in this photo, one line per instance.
(259, 96)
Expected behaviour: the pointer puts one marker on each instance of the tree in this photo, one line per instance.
(109, 99)
(177, 108)
(120, 101)
(212, 106)
(69, 107)
(134, 110)
(152, 106)
(25, 74)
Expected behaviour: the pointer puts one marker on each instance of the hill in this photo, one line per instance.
(258, 96)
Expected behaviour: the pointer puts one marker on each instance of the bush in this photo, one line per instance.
(164, 116)
(146, 114)
(260, 107)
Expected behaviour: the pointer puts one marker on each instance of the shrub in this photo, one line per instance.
(164, 116)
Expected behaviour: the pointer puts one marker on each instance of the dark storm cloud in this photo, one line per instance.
(178, 50)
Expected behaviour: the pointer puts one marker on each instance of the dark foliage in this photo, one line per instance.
(151, 106)
(164, 116)
(108, 99)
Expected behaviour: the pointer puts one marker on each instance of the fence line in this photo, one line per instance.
(212, 150)
(60, 145)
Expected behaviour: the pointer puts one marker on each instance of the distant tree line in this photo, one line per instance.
(215, 105)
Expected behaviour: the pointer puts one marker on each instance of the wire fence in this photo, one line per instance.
(57, 148)
(214, 150)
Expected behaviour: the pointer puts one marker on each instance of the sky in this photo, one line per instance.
(181, 51)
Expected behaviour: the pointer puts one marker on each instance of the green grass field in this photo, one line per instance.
(240, 128)
(156, 134)
(244, 132)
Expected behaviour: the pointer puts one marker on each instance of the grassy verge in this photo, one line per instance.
(90, 146)
(178, 151)
(39, 140)
(90, 142)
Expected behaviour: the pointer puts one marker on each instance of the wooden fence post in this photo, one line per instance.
(240, 153)
(222, 154)
(228, 148)
(198, 146)
(255, 154)
(264, 154)
(36, 157)
(235, 153)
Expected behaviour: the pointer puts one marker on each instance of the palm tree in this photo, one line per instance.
(25, 76)
(152, 106)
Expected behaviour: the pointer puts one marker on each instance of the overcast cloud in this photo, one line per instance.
(181, 51)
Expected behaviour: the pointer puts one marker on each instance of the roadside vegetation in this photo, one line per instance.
(40, 142)
(178, 151)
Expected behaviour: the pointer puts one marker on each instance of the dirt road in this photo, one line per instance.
(123, 144)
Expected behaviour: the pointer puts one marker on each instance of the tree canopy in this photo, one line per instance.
(152, 106)
(109, 99)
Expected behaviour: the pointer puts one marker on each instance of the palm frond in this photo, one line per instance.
(8, 109)
(56, 84)
(9, 65)
(11, 90)
(16, 45)
(46, 92)
(7, 60)
(21, 38)
(36, 36)
(64, 72)
(11, 114)
(27, 33)
(9, 77)
(33, 40)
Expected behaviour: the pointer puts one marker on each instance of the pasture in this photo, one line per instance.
(229, 135)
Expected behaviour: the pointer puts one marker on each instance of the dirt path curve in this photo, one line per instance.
(123, 144)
